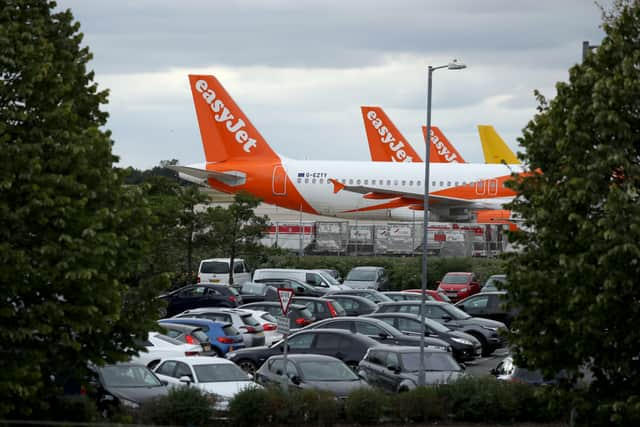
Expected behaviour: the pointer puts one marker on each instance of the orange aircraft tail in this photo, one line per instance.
(225, 130)
(386, 143)
(440, 149)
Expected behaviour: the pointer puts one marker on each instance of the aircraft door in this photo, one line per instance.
(279, 181)
(480, 187)
(493, 187)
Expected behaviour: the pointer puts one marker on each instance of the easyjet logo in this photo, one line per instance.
(398, 154)
(442, 149)
(223, 115)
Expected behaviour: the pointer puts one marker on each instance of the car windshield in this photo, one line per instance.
(214, 267)
(326, 371)
(362, 275)
(436, 326)
(253, 288)
(432, 362)
(329, 278)
(455, 312)
(219, 372)
(455, 279)
(248, 319)
(128, 376)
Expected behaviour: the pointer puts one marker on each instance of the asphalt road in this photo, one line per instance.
(484, 365)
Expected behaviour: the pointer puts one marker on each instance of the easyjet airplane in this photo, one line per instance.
(494, 148)
(386, 143)
(238, 158)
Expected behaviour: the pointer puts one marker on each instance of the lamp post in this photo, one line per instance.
(453, 65)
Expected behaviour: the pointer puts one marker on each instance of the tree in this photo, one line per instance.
(236, 229)
(576, 275)
(74, 283)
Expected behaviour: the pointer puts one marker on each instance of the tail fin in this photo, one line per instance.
(494, 148)
(386, 143)
(440, 149)
(225, 130)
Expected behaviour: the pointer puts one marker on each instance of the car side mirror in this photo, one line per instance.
(186, 379)
(164, 382)
(295, 379)
(393, 368)
(300, 289)
(463, 366)
(383, 335)
(446, 318)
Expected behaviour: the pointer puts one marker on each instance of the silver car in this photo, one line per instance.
(367, 277)
(243, 320)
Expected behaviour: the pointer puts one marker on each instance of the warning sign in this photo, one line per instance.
(285, 295)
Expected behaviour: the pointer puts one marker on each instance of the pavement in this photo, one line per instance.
(484, 365)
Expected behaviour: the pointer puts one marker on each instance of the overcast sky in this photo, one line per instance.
(300, 70)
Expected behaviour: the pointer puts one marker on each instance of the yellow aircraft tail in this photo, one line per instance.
(494, 148)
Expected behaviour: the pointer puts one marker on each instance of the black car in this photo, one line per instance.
(485, 330)
(396, 369)
(124, 385)
(298, 314)
(379, 330)
(370, 294)
(465, 347)
(311, 371)
(345, 345)
(189, 334)
(200, 295)
(321, 308)
(354, 305)
(489, 305)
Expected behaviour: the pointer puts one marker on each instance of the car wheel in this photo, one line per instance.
(483, 342)
(248, 366)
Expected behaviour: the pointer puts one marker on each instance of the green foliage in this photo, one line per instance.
(182, 406)
(419, 405)
(73, 238)
(366, 406)
(404, 273)
(576, 277)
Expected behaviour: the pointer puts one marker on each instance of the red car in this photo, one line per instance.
(459, 285)
(435, 295)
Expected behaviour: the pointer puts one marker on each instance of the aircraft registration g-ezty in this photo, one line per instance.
(238, 159)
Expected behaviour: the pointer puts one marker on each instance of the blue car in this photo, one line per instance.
(223, 336)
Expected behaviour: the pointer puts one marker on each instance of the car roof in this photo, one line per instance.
(270, 304)
(406, 349)
(349, 296)
(344, 332)
(393, 314)
(199, 360)
(304, 357)
(304, 298)
(195, 321)
(180, 326)
(460, 272)
(214, 310)
(411, 302)
(367, 267)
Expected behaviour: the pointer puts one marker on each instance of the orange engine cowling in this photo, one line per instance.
(498, 216)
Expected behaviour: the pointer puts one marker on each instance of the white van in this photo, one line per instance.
(216, 270)
(316, 278)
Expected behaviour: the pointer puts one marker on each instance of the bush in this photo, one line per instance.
(366, 406)
(182, 406)
(419, 405)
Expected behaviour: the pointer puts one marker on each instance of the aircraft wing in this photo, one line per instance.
(200, 175)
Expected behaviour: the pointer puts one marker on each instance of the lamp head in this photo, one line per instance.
(455, 65)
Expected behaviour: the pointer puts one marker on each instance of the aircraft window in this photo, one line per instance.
(344, 181)
(456, 184)
(358, 182)
(404, 182)
(313, 181)
(418, 183)
(395, 182)
(388, 182)
(410, 182)
(299, 180)
(433, 183)
(373, 182)
(448, 183)
(471, 184)
(306, 180)
(441, 183)
(366, 182)
(492, 185)
(350, 181)
(322, 181)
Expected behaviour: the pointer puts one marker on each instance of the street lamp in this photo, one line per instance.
(453, 65)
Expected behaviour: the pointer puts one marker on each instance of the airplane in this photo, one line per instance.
(386, 143)
(494, 148)
(238, 158)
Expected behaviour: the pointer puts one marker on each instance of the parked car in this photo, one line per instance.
(197, 296)
(354, 305)
(214, 375)
(298, 288)
(370, 294)
(396, 369)
(367, 277)
(494, 283)
(216, 270)
(251, 330)
(321, 308)
(406, 296)
(508, 371)
(489, 305)
(345, 345)
(485, 330)
(188, 334)
(269, 324)
(378, 330)
(459, 285)
(315, 278)
(298, 314)
(159, 346)
(222, 336)
(436, 295)
(465, 347)
(124, 385)
(311, 372)
(334, 273)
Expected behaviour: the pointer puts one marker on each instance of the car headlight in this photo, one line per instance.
(464, 289)
(231, 355)
(462, 341)
(490, 328)
(438, 347)
(129, 404)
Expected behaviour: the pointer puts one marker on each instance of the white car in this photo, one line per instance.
(269, 324)
(214, 375)
(160, 346)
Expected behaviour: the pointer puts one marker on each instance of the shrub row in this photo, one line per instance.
(469, 400)
(404, 273)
